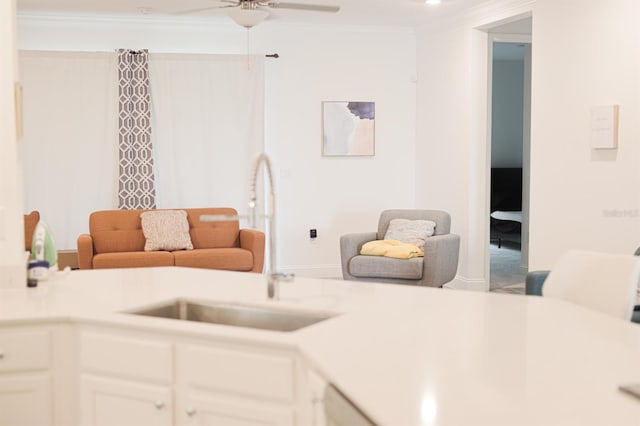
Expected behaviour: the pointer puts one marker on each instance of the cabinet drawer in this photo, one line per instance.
(22, 350)
(25, 399)
(127, 357)
(246, 372)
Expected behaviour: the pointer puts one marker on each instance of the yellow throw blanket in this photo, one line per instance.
(391, 248)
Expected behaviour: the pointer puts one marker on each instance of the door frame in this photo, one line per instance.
(494, 37)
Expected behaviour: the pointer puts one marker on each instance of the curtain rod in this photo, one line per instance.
(137, 52)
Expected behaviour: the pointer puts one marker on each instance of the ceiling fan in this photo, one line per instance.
(248, 13)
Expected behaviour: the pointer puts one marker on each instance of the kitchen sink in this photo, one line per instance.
(232, 314)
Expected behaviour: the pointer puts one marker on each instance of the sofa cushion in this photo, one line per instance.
(441, 218)
(133, 259)
(213, 234)
(116, 231)
(235, 259)
(166, 230)
(410, 231)
(363, 266)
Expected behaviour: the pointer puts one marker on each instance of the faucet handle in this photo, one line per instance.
(283, 276)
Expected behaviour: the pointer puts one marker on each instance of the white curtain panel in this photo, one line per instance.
(207, 127)
(69, 147)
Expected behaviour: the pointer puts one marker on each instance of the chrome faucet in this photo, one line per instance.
(273, 277)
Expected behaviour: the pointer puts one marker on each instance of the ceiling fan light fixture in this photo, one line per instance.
(248, 17)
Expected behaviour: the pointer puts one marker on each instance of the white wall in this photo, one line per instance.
(452, 131)
(333, 195)
(443, 158)
(507, 109)
(338, 195)
(584, 53)
(12, 261)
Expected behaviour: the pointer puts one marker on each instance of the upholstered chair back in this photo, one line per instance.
(30, 222)
(441, 218)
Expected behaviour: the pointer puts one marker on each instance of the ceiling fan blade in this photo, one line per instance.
(189, 11)
(233, 3)
(300, 6)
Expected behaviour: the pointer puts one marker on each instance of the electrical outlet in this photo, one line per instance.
(313, 233)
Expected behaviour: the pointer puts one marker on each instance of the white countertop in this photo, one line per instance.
(405, 355)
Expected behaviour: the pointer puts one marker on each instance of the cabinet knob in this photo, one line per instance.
(159, 404)
(1, 354)
(190, 412)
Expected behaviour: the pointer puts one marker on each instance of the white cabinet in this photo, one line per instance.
(235, 385)
(209, 409)
(25, 399)
(144, 378)
(25, 381)
(316, 387)
(125, 379)
(109, 402)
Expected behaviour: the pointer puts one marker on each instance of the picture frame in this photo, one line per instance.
(348, 129)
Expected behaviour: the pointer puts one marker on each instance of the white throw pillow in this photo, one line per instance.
(410, 231)
(166, 230)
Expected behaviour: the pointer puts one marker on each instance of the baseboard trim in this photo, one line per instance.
(315, 271)
(463, 283)
(335, 272)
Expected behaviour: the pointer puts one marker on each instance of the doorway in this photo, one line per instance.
(510, 77)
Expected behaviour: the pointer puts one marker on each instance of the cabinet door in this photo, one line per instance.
(25, 400)
(110, 402)
(203, 409)
(316, 389)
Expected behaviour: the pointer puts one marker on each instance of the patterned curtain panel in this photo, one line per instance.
(136, 189)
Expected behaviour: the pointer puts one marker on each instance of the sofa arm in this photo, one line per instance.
(350, 245)
(534, 281)
(440, 263)
(85, 251)
(253, 240)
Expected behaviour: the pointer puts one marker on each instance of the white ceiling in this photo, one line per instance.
(353, 12)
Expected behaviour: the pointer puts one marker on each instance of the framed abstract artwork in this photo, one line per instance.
(348, 129)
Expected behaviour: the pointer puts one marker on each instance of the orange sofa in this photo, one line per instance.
(30, 222)
(116, 240)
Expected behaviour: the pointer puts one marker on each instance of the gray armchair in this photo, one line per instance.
(438, 266)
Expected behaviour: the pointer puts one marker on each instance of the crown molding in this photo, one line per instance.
(484, 15)
(218, 23)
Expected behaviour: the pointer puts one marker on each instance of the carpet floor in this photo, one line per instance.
(506, 273)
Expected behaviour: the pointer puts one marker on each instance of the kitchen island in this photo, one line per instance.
(403, 355)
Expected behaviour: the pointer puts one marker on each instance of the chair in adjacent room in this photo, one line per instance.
(438, 266)
(604, 282)
(535, 281)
